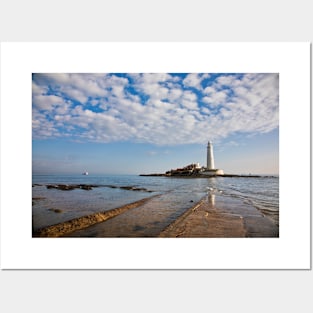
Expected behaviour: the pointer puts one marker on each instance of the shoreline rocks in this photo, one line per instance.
(90, 187)
(67, 227)
(71, 187)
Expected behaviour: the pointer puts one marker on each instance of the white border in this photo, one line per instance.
(20, 251)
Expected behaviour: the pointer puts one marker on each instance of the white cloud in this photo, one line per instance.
(175, 94)
(209, 90)
(47, 102)
(228, 80)
(149, 78)
(75, 94)
(156, 109)
(192, 80)
(80, 87)
(94, 102)
(216, 98)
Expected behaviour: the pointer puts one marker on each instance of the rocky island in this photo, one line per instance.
(195, 170)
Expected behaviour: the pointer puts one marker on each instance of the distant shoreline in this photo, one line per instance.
(206, 176)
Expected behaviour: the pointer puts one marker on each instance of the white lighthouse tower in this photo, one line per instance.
(210, 168)
(210, 157)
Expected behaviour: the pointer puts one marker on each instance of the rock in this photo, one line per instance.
(86, 187)
(66, 187)
(110, 186)
(56, 210)
(133, 188)
(70, 187)
(52, 187)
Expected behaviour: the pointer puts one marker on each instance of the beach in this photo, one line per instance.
(68, 227)
(212, 217)
(133, 206)
(226, 219)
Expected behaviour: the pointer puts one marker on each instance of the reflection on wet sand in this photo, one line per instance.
(146, 220)
(213, 216)
(211, 200)
(217, 216)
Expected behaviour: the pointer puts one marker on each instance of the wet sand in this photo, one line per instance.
(146, 220)
(217, 216)
(65, 228)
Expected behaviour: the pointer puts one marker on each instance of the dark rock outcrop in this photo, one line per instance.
(71, 187)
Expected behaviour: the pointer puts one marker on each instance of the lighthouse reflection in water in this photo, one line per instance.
(211, 200)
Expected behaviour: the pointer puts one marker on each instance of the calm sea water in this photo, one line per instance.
(175, 196)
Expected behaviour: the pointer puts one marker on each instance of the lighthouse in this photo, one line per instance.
(210, 157)
(210, 167)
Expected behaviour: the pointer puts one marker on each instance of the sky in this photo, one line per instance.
(139, 123)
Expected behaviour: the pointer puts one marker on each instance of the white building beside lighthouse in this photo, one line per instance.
(210, 169)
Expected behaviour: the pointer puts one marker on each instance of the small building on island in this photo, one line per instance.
(196, 169)
(187, 170)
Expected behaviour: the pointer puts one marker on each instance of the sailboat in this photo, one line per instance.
(85, 173)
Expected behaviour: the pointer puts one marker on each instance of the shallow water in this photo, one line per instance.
(175, 196)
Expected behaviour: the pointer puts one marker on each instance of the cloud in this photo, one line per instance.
(216, 98)
(194, 80)
(189, 100)
(163, 109)
(47, 102)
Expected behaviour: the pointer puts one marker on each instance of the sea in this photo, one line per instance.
(170, 198)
